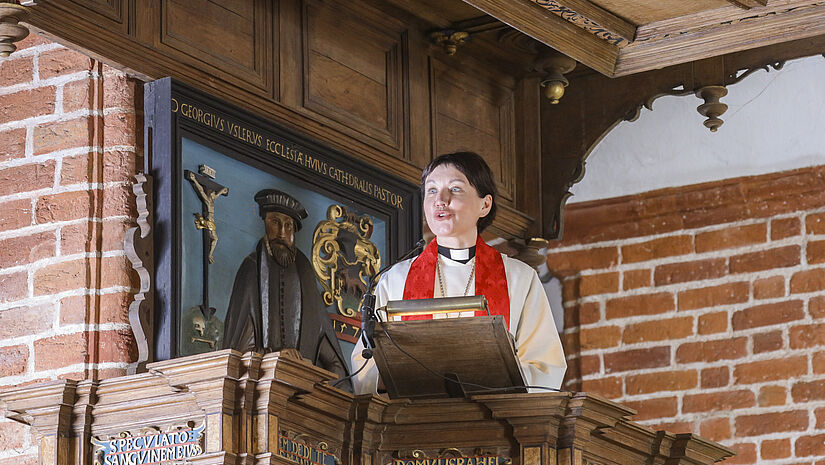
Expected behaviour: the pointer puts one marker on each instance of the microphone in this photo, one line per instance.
(368, 315)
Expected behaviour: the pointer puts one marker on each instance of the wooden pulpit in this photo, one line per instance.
(231, 408)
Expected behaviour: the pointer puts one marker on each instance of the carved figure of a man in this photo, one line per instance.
(275, 303)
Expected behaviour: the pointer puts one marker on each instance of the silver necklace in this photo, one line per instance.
(441, 277)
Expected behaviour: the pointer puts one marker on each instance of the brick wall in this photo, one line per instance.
(68, 149)
(703, 308)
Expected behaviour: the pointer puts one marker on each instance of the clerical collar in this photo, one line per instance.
(457, 255)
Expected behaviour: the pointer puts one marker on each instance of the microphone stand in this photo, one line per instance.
(368, 315)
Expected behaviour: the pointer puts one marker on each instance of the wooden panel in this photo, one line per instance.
(471, 110)
(353, 73)
(111, 14)
(234, 36)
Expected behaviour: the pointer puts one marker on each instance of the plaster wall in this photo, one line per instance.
(773, 123)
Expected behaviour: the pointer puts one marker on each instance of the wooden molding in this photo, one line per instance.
(549, 28)
(603, 18)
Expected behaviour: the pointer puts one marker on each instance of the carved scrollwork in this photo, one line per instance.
(410, 454)
(343, 257)
(740, 74)
(140, 252)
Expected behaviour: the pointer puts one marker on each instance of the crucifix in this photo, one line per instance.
(207, 190)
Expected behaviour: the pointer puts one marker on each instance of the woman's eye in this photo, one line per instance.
(455, 189)
(431, 191)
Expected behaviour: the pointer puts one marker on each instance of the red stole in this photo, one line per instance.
(490, 279)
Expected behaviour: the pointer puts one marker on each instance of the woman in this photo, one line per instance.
(459, 202)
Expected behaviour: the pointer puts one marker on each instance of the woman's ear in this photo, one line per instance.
(486, 205)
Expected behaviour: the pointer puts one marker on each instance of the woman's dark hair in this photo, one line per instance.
(478, 173)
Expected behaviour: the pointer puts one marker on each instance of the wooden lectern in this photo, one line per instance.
(230, 408)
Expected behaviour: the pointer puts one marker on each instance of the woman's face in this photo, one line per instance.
(452, 207)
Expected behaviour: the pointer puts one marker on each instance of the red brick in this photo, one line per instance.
(770, 370)
(15, 214)
(731, 237)
(807, 446)
(64, 276)
(121, 129)
(663, 407)
(605, 257)
(12, 144)
(815, 223)
(714, 296)
(660, 330)
(13, 286)
(661, 381)
(715, 429)
(26, 178)
(715, 377)
(773, 449)
(12, 434)
(119, 91)
(745, 454)
(768, 315)
(62, 135)
(595, 284)
(589, 312)
(818, 362)
(783, 228)
(815, 252)
(816, 307)
(713, 323)
(634, 279)
(64, 207)
(15, 360)
(116, 346)
(636, 359)
(767, 342)
(808, 281)
(765, 423)
(657, 248)
(674, 427)
(767, 288)
(770, 396)
(77, 169)
(779, 257)
(77, 95)
(114, 308)
(570, 343)
(16, 70)
(689, 271)
(807, 336)
(808, 391)
(62, 61)
(24, 321)
(711, 351)
(60, 351)
(602, 337)
(26, 104)
(590, 365)
(718, 401)
(607, 387)
(647, 304)
(32, 40)
(23, 250)
(570, 289)
(820, 418)
(120, 166)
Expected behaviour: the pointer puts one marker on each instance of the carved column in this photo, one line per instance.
(10, 31)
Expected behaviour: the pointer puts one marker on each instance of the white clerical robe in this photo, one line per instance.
(531, 320)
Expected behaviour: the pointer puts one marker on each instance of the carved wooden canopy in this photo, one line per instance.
(397, 82)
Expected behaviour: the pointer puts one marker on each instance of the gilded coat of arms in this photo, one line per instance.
(344, 258)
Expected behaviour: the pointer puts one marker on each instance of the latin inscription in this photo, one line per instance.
(172, 446)
(286, 151)
(303, 454)
(477, 460)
